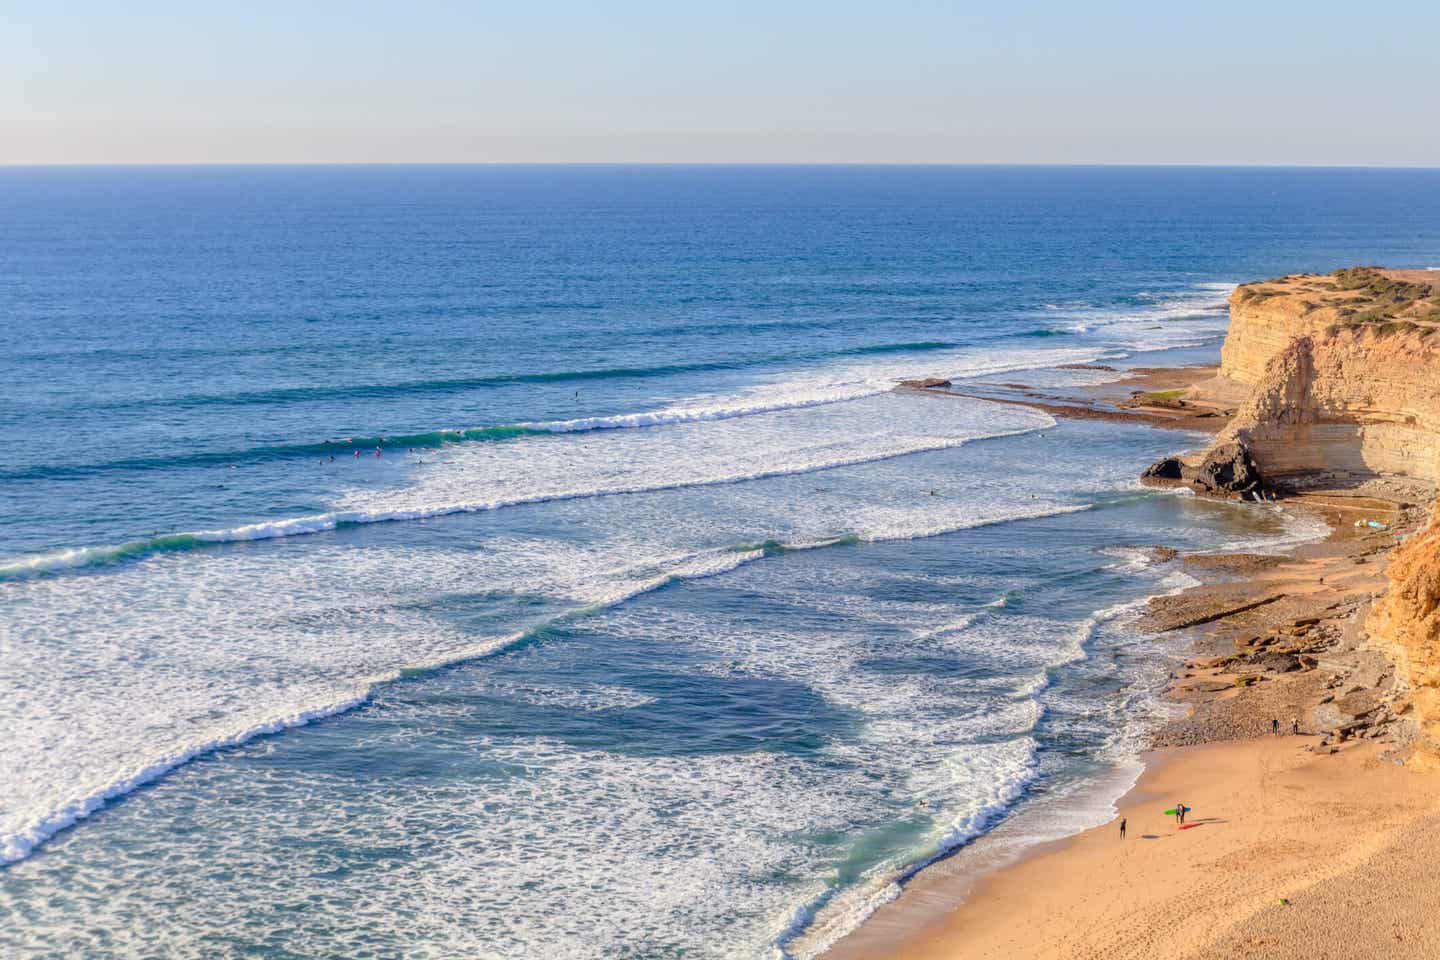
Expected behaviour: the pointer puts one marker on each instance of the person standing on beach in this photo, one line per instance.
(1122, 828)
(1182, 810)
(1294, 725)
(1275, 726)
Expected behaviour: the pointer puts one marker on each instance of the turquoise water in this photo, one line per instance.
(659, 626)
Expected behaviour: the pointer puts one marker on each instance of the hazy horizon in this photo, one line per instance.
(642, 82)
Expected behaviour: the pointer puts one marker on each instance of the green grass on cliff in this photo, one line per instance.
(1387, 298)
(1377, 299)
(1375, 285)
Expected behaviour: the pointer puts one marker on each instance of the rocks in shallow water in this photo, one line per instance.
(1202, 687)
(1226, 470)
(1231, 562)
(929, 383)
(1169, 468)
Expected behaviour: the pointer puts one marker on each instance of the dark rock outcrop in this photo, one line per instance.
(1226, 470)
(1169, 468)
(929, 383)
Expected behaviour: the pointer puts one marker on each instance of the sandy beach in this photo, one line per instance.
(1284, 847)
(1290, 817)
(1316, 841)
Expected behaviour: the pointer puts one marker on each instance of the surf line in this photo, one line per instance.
(21, 842)
(78, 557)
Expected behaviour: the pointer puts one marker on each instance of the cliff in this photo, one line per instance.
(1266, 317)
(1335, 374)
(1405, 623)
(1338, 378)
(1360, 400)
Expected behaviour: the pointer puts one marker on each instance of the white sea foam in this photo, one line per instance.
(21, 831)
(493, 476)
(1185, 318)
(188, 651)
(342, 617)
(739, 814)
(319, 523)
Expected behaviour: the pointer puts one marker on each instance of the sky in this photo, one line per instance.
(888, 81)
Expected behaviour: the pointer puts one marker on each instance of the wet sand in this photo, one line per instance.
(1270, 822)
(1314, 845)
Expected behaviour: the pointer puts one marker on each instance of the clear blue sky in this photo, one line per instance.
(633, 80)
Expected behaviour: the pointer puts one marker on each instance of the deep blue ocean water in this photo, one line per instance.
(536, 561)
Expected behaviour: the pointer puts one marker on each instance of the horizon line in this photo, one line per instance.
(1305, 164)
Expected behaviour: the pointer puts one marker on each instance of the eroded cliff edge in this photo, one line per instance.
(1335, 387)
(1333, 377)
(1405, 624)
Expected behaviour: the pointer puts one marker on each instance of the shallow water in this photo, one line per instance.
(660, 626)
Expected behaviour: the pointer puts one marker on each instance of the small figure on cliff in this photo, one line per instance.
(1122, 828)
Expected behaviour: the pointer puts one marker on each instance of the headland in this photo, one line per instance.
(1307, 732)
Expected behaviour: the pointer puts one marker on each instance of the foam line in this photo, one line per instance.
(771, 398)
(818, 924)
(80, 557)
(22, 842)
(1004, 794)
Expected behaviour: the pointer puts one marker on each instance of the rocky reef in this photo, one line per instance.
(1225, 468)
(1335, 386)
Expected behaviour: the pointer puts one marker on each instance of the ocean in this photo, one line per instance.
(537, 562)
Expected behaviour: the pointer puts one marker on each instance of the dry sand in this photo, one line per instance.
(1272, 822)
(1303, 847)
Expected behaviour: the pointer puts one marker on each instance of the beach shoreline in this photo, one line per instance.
(1089, 894)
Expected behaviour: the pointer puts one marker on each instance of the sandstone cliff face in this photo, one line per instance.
(1341, 375)
(1336, 373)
(1266, 317)
(1261, 326)
(1406, 624)
(1363, 400)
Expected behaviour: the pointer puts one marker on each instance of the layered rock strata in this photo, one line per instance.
(1337, 378)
